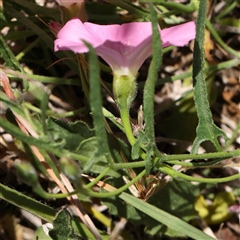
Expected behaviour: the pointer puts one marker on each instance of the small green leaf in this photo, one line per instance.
(72, 133)
(71, 169)
(62, 227)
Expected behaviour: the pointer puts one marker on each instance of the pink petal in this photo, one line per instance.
(71, 35)
(178, 35)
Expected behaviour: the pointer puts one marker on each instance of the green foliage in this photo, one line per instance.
(80, 145)
(165, 218)
(176, 198)
(41, 235)
(29, 204)
(7, 54)
(206, 129)
(62, 227)
(148, 97)
(73, 133)
(97, 114)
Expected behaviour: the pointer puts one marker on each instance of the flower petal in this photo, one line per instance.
(178, 35)
(71, 35)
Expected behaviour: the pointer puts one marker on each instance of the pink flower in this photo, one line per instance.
(124, 47)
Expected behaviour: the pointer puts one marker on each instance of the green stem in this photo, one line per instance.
(220, 41)
(124, 112)
(27, 49)
(167, 158)
(98, 178)
(40, 78)
(174, 157)
(66, 114)
(226, 10)
(15, 131)
(196, 165)
(175, 174)
(131, 8)
(233, 137)
(189, 8)
(119, 190)
(39, 190)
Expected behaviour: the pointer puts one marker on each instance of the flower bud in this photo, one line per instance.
(27, 174)
(70, 168)
(55, 27)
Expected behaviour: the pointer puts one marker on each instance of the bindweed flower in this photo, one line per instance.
(124, 47)
(72, 8)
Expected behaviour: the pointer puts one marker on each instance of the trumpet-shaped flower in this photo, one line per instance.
(124, 47)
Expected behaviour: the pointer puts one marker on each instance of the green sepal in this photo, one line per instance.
(124, 89)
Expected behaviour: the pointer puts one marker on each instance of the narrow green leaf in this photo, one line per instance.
(41, 78)
(206, 129)
(96, 106)
(8, 56)
(31, 205)
(165, 218)
(148, 97)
